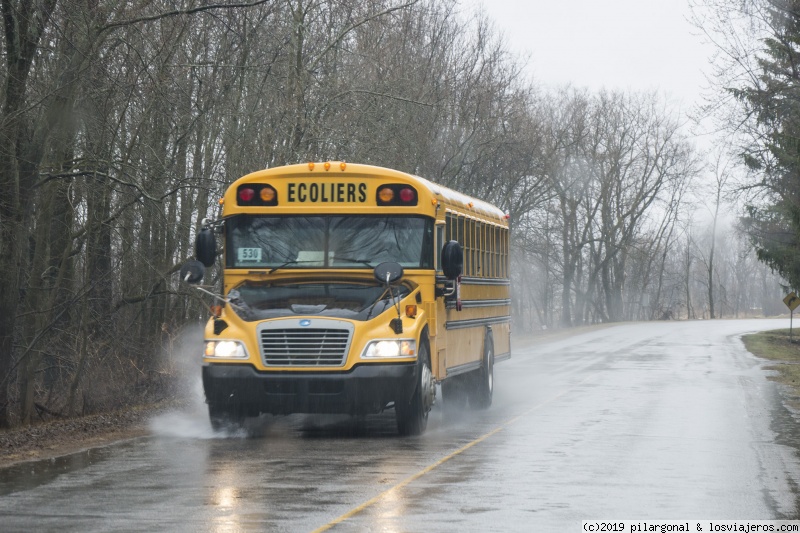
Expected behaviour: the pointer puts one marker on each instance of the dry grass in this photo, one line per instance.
(776, 346)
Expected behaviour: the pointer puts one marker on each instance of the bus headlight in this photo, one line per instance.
(390, 348)
(226, 349)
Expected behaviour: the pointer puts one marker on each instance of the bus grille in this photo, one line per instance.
(304, 346)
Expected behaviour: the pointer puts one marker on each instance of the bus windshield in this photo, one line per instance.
(328, 241)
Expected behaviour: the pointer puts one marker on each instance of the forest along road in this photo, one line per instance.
(671, 420)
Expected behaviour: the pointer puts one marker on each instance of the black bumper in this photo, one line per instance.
(364, 389)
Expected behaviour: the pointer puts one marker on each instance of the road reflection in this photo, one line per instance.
(389, 511)
(223, 481)
(226, 500)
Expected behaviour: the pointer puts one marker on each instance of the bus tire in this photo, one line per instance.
(481, 397)
(225, 417)
(412, 416)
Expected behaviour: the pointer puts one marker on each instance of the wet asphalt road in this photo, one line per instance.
(640, 421)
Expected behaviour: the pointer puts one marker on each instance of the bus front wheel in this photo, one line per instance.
(225, 417)
(412, 416)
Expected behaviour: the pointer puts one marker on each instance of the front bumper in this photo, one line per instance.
(363, 390)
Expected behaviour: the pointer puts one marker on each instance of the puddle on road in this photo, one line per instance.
(29, 475)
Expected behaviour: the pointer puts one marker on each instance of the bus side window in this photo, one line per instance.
(495, 252)
(474, 235)
(440, 232)
(481, 248)
(449, 229)
(505, 253)
(469, 246)
(487, 250)
(462, 239)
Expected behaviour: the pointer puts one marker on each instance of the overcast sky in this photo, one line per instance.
(616, 44)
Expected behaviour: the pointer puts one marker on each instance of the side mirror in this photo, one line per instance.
(452, 259)
(388, 272)
(205, 247)
(192, 272)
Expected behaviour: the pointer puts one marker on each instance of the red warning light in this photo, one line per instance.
(407, 195)
(246, 194)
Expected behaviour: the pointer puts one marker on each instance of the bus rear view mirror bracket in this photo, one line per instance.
(453, 267)
(192, 272)
(388, 273)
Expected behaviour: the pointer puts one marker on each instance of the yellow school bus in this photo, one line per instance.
(352, 289)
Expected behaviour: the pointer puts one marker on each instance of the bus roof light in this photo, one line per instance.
(246, 194)
(267, 194)
(342, 166)
(310, 165)
(407, 195)
(327, 165)
(386, 195)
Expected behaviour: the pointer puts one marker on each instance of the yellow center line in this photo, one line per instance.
(356, 510)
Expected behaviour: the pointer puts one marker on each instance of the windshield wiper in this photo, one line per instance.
(362, 261)
(290, 262)
(287, 263)
(345, 259)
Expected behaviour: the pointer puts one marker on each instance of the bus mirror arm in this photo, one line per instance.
(451, 292)
(388, 273)
(397, 323)
(192, 273)
(209, 293)
(221, 298)
(218, 225)
(449, 289)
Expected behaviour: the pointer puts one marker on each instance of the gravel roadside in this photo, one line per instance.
(62, 437)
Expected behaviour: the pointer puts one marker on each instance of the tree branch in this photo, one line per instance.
(178, 12)
(338, 39)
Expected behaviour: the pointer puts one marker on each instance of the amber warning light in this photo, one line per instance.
(256, 194)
